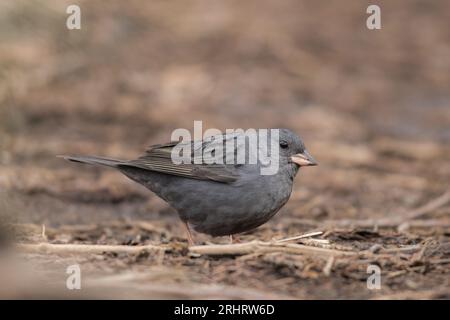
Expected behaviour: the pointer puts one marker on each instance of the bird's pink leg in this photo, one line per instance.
(234, 238)
(189, 234)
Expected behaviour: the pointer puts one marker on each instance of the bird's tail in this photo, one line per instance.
(95, 160)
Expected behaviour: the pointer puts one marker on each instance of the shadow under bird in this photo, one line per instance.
(216, 199)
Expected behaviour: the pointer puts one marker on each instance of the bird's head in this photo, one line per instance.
(293, 149)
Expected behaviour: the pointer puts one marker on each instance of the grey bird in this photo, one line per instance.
(214, 198)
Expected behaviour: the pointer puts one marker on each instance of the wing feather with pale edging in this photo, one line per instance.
(158, 158)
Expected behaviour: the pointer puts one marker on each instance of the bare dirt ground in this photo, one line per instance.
(372, 106)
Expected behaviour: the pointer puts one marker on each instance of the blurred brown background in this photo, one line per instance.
(372, 106)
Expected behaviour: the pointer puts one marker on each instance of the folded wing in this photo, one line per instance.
(159, 158)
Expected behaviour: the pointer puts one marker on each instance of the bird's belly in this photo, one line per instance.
(221, 209)
(217, 208)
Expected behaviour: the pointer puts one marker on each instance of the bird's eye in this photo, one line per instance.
(283, 144)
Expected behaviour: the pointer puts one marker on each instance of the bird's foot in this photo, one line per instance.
(234, 239)
(189, 234)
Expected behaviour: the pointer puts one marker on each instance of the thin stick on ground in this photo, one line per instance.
(212, 250)
(265, 247)
(219, 249)
(328, 266)
(306, 235)
(84, 248)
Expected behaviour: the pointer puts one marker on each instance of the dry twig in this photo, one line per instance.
(306, 235)
(265, 247)
(328, 266)
(84, 248)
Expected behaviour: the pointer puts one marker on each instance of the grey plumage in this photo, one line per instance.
(216, 199)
